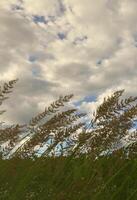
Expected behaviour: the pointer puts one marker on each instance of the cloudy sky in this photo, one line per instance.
(58, 47)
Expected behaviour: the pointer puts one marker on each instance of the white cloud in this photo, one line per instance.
(5, 4)
(42, 7)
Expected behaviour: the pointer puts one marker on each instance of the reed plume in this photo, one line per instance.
(58, 128)
(112, 122)
(9, 134)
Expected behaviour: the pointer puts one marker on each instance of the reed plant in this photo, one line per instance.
(61, 130)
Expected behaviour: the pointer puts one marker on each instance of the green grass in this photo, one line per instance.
(68, 179)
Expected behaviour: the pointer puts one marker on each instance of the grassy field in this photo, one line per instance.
(68, 179)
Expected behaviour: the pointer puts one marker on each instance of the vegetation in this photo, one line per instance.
(78, 160)
(65, 179)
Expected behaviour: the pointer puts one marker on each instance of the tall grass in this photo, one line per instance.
(80, 161)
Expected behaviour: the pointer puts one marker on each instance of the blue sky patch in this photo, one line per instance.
(62, 36)
(17, 8)
(86, 99)
(39, 19)
(80, 39)
(32, 58)
(36, 70)
(99, 62)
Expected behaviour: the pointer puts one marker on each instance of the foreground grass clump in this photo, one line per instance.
(68, 179)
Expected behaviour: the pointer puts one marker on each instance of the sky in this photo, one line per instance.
(60, 47)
